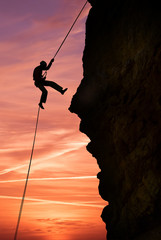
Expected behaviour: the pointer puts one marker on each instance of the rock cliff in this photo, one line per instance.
(119, 104)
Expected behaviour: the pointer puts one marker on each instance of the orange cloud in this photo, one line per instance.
(62, 181)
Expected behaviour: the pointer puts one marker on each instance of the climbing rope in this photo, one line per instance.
(24, 193)
(71, 28)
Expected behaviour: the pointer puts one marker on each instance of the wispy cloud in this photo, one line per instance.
(49, 179)
(32, 31)
(8, 170)
(38, 163)
(43, 201)
(65, 222)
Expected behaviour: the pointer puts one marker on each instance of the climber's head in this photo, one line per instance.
(43, 64)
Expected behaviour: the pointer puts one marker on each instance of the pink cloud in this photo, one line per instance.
(30, 33)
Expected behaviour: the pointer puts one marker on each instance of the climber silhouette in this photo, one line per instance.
(40, 81)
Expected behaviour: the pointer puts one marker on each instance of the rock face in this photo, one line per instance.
(119, 103)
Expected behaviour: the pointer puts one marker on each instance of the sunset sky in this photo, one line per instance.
(62, 199)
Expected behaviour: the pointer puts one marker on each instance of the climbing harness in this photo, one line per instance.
(45, 74)
(24, 193)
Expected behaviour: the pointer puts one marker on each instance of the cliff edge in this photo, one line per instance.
(119, 104)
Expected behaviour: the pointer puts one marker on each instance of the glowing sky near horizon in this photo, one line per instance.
(62, 200)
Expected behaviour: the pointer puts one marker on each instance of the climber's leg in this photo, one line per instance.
(43, 95)
(55, 86)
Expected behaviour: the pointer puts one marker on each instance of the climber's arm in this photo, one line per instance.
(50, 63)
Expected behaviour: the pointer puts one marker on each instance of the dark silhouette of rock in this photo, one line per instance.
(119, 103)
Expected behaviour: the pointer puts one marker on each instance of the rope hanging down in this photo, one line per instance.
(24, 193)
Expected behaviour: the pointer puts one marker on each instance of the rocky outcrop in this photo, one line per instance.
(119, 103)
